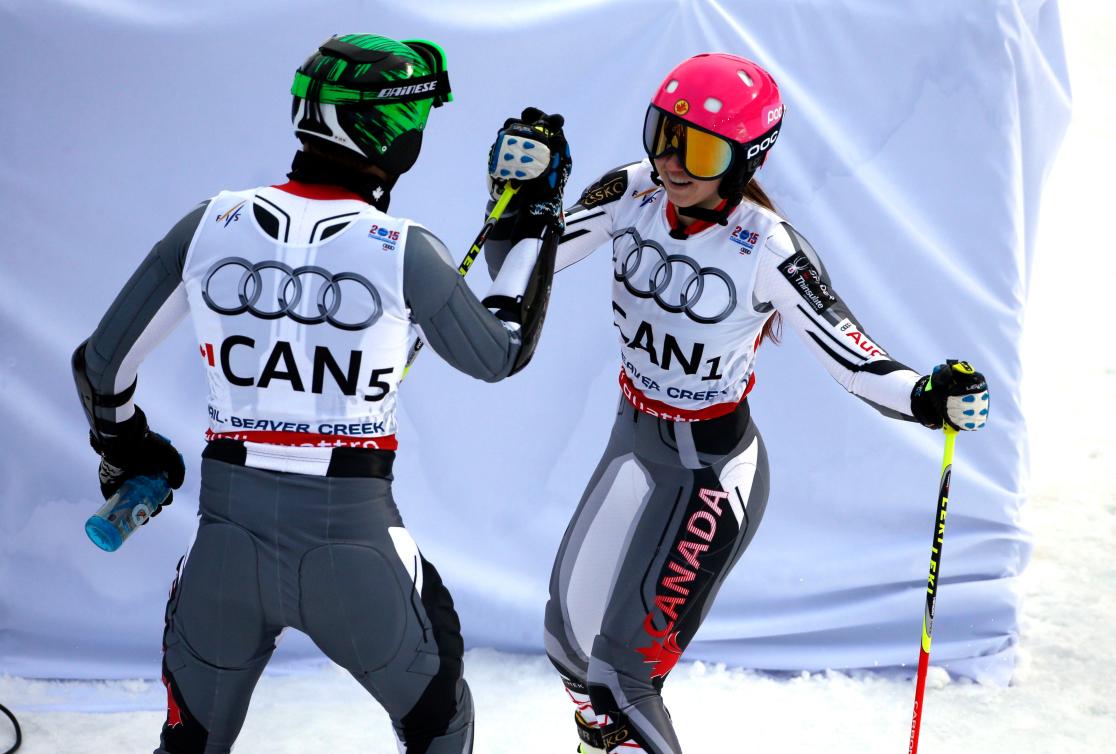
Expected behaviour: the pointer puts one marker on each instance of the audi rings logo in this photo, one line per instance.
(678, 284)
(309, 295)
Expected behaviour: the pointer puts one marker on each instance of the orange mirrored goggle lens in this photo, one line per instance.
(703, 155)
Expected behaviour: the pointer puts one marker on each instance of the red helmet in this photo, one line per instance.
(720, 114)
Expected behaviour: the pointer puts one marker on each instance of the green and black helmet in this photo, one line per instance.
(371, 95)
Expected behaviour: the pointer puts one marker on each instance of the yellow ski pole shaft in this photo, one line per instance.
(932, 585)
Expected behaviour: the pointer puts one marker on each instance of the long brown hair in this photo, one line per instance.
(773, 327)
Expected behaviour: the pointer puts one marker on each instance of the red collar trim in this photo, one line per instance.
(316, 191)
(697, 226)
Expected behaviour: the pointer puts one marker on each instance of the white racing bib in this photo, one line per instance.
(298, 308)
(684, 308)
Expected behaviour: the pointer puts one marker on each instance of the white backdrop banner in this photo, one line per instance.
(916, 143)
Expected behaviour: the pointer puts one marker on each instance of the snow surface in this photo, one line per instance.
(1063, 697)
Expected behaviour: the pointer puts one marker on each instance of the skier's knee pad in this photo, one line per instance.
(626, 700)
(553, 620)
(445, 703)
(568, 666)
(355, 604)
(182, 732)
(440, 728)
(615, 663)
(216, 609)
(558, 643)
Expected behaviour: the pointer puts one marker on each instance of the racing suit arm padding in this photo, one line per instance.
(144, 312)
(792, 280)
(483, 344)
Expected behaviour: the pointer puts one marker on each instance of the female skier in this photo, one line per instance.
(703, 268)
(306, 298)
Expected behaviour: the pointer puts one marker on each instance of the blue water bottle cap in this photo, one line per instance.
(103, 534)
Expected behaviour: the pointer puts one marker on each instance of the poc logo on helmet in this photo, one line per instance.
(763, 146)
(774, 114)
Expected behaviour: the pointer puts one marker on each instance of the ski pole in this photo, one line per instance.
(471, 255)
(931, 584)
(489, 224)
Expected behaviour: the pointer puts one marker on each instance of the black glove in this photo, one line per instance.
(532, 151)
(954, 394)
(134, 450)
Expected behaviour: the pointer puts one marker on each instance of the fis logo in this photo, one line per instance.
(232, 216)
(746, 238)
(647, 196)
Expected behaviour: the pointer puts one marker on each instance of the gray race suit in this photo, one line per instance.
(306, 301)
(683, 483)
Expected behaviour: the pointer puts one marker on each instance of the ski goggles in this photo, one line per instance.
(703, 155)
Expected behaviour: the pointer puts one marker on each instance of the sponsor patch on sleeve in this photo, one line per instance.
(608, 189)
(801, 273)
(852, 337)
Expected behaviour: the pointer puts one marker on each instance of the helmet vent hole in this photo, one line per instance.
(713, 105)
(745, 78)
(672, 86)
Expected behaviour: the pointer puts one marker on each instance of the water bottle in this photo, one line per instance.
(128, 509)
